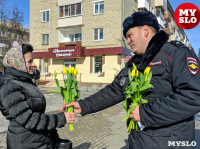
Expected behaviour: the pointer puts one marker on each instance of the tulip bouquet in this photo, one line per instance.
(70, 90)
(138, 84)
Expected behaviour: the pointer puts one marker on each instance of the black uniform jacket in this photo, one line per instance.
(24, 105)
(172, 103)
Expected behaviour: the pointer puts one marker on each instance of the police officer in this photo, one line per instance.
(175, 99)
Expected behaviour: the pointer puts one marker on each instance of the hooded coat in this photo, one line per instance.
(172, 103)
(24, 105)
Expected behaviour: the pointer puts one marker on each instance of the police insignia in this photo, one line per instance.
(192, 65)
(122, 81)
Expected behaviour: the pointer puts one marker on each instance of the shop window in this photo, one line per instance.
(45, 16)
(70, 10)
(75, 37)
(97, 65)
(99, 7)
(98, 34)
(45, 65)
(45, 39)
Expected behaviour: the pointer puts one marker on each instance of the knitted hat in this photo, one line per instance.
(139, 19)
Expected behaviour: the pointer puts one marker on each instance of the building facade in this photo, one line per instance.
(86, 34)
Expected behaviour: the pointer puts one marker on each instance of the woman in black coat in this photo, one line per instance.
(24, 105)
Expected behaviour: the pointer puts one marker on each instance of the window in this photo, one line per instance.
(98, 34)
(61, 11)
(75, 37)
(45, 16)
(67, 10)
(70, 10)
(45, 65)
(97, 65)
(3, 33)
(45, 39)
(99, 7)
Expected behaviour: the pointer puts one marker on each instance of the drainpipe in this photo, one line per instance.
(123, 40)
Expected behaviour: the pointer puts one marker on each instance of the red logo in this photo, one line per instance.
(187, 16)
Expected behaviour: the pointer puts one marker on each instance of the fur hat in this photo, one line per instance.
(139, 19)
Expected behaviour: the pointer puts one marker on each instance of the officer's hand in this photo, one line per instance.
(77, 108)
(135, 114)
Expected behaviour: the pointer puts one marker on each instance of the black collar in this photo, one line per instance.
(15, 74)
(154, 46)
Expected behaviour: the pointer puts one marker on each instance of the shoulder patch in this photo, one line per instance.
(192, 65)
(155, 63)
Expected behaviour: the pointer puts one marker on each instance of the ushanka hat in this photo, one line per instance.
(139, 19)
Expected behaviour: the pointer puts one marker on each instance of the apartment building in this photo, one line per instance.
(86, 34)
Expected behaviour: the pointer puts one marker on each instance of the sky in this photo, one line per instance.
(192, 34)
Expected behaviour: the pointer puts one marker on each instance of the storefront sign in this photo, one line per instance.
(66, 52)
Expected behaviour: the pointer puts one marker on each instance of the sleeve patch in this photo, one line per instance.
(192, 65)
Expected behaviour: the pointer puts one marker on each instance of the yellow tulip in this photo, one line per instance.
(133, 73)
(64, 70)
(75, 71)
(55, 74)
(70, 70)
(147, 70)
(134, 66)
(137, 73)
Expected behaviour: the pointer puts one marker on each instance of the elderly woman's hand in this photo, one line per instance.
(70, 117)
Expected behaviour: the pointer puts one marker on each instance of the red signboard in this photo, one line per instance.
(66, 52)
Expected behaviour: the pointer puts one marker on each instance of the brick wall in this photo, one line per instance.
(37, 27)
(110, 21)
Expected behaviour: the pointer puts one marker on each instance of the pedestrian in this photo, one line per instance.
(172, 103)
(23, 104)
(36, 76)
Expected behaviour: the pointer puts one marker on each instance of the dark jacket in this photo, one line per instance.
(173, 102)
(36, 74)
(24, 105)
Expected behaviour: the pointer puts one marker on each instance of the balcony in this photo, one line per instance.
(66, 44)
(70, 36)
(143, 5)
(69, 22)
(161, 3)
(167, 17)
